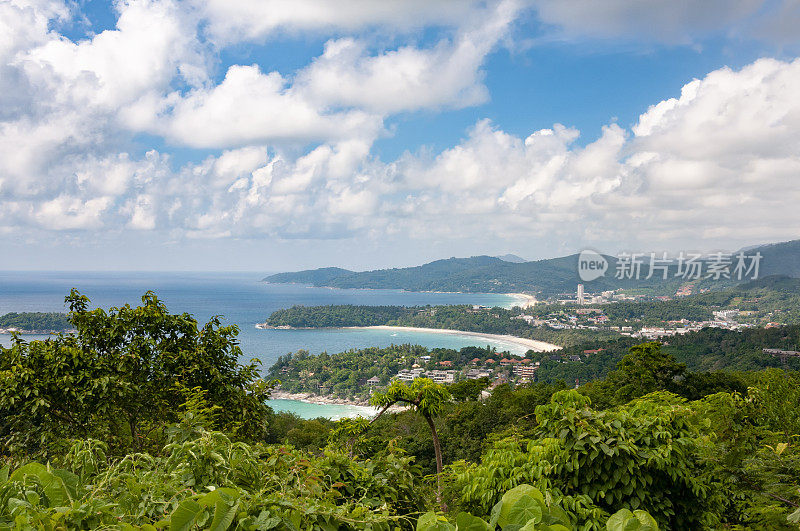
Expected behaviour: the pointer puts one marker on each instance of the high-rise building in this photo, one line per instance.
(580, 293)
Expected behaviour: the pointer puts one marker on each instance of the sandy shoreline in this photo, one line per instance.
(277, 394)
(309, 398)
(525, 300)
(538, 346)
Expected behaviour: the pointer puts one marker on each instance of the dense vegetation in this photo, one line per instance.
(455, 317)
(143, 420)
(710, 349)
(338, 316)
(35, 321)
(345, 374)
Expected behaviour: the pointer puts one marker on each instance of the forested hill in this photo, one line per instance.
(477, 274)
(710, 349)
(487, 274)
(35, 321)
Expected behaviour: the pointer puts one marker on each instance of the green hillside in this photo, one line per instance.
(547, 278)
(29, 321)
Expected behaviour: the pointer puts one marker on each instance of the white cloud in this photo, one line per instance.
(69, 94)
(719, 161)
(251, 107)
(409, 78)
(345, 93)
(257, 19)
(677, 21)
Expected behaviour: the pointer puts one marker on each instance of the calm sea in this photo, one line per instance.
(243, 300)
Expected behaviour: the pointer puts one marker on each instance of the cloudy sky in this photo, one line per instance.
(280, 134)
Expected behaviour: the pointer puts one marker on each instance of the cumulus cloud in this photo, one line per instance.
(292, 155)
(71, 93)
(258, 19)
(675, 22)
(251, 107)
(347, 92)
(409, 78)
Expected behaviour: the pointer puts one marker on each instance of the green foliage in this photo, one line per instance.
(625, 520)
(751, 445)
(119, 377)
(645, 455)
(211, 483)
(455, 317)
(645, 370)
(426, 397)
(526, 508)
(143, 420)
(466, 390)
(35, 321)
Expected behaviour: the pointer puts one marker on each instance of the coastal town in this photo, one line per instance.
(587, 311)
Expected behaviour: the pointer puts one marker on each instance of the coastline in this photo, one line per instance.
(527, 301)
(532, 344)
(310, 398)
(319, 400)
(524, 300)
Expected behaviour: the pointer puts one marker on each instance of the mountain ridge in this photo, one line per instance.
(548, 277)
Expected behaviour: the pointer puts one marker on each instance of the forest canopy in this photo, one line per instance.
(142, 419)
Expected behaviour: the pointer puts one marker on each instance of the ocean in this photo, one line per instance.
(242, 299)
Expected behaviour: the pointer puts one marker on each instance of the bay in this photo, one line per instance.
(242, 299)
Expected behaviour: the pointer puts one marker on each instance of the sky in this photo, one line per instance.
(270, 135)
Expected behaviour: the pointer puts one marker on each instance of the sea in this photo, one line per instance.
(244, 299)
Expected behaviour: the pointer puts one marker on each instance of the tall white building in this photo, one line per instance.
(580, 293)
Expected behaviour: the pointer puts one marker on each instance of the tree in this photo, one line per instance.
(122, 376)
(426, 398)
(468, 389)
(644, 370)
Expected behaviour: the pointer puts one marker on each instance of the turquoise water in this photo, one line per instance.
(312, 411)
(243, 300)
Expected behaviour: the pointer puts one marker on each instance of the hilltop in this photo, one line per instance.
(548, 277)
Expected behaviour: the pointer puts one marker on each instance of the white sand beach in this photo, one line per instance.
(523, 300)
(359, 407)
(538, 346)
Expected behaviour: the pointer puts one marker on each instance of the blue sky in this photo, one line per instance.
(269, 135)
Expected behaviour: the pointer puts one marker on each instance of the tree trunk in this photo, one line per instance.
(438, 451)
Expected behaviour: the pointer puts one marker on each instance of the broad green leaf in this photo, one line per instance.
(467, 522)
(224, 513)
(794, 518)
(184, 515)
(525, 509)
(625, 520)
(432, 522)
(648, 522)
(223, 494)
(532, 498)
(618, 520)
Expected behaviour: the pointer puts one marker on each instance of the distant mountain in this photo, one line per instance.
(514, 259)
(779, 258)
(315, 277)
(477, 274)
(550, 277)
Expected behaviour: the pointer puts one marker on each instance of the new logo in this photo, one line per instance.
(591, 265)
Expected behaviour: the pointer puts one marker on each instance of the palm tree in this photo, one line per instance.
(426, 398)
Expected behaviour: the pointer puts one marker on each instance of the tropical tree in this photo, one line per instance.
(122, 376)
(426, 398)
